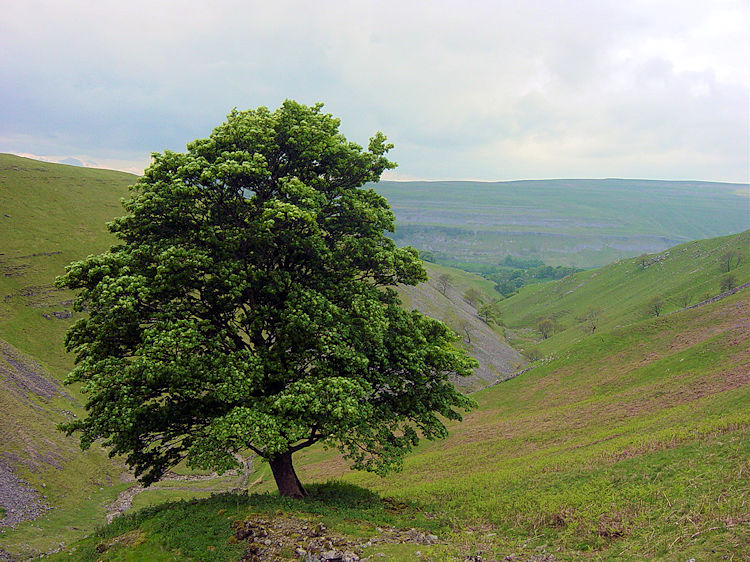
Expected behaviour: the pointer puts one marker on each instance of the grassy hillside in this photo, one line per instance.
(620, 293)
(50, 214)
(43, 473)
(632, 444)
(564, 222)
(629, 442)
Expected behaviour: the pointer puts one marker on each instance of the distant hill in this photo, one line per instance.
(579, 222)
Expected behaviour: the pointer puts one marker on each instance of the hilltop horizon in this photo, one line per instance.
(388, 175)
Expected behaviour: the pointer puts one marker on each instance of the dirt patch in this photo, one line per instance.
(123, 502)
(292, 538)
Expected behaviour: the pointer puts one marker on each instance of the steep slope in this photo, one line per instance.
(620, 293)
(43, 473)
(497, 359)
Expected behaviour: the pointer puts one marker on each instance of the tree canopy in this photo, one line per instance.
(247, 307)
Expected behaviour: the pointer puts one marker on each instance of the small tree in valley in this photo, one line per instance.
(489, 313)
(247, 307)
(590, 320)
(655, 306)
(444, 282)
(473, 297)
(730, 260)
(684, 299)
(546, 327)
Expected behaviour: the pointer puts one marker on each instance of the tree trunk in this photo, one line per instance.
(286, 478)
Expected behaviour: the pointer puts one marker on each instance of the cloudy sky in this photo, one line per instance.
(487, 90)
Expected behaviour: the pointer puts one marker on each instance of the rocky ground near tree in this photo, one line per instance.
(282, 537)
(278, 537)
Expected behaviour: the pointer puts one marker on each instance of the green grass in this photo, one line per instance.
(629, 444)
(56, 214)
(683, 275)
(201, 529)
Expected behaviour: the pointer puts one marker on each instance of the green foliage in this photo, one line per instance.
(729, 260)
(546, 327)
(427, 256)
(473, 296)
(489, 313)
(521, 263)
(524, 272)
(444, 282)
(589, 320)
(247, 306)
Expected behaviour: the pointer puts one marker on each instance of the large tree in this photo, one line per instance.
(248, 307)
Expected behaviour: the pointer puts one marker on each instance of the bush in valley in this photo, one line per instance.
(518, 272)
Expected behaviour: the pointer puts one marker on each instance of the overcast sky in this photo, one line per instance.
(487, 90)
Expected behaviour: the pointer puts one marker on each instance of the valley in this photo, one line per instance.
(620, 434)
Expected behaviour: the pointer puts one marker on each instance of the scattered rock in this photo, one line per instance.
(20, 501)
(268, 537)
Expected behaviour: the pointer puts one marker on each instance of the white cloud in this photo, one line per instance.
(493, 90)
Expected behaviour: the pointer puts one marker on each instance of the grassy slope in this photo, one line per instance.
(56, 214)
(631, 444)
(683, 275)
(632, 441)
(571, 222)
